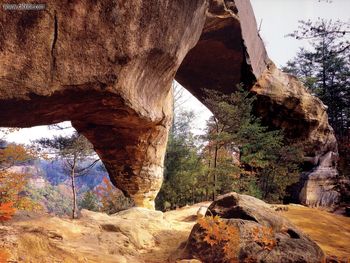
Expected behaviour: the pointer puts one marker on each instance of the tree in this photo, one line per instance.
(265, 160)
(89, 201)
(76, 151)
(231, 112)
(12, 183)
(112, 199)
(324, 68)
(183, 166)
(52, 198)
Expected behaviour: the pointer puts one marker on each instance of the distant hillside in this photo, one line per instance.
(49, 184)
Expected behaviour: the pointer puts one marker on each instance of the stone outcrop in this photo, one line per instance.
(136, 235)
(283, 102)
(141, 236)
(247, 215)
(320, 186)
(220, 62)
(108, 68)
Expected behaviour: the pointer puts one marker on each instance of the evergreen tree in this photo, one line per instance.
(89, 201)
(324, 68)
(75, 150)
(182, 165)
(266, 163)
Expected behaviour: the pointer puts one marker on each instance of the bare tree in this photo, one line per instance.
(78, 156)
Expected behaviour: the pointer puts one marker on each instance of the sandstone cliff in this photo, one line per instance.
(108, 68)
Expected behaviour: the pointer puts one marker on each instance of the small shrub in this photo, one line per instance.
(6, 211)
(218, 232)
(265, 237)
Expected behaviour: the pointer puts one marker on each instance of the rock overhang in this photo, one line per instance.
(113, 80)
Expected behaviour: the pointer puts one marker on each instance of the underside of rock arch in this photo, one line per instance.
(108, 68)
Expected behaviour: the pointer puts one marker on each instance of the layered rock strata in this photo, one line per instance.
(230, 52)
(108, 67)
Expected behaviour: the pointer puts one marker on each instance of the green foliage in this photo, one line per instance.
(52, 198)
(182, 166)
(89, 201)
(239, 154)
(324, 68)
(266, 164)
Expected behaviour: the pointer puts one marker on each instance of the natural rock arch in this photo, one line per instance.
(108, 68)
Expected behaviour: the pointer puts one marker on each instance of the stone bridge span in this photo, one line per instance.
(108, 68)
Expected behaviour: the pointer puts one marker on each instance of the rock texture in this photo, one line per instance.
(320, 186)
(108, 68)
(220, 62)
(141, 235)
(249, 215)
(284, 102)
(136, 235)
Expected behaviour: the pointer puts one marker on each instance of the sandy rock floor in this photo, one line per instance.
(140, 235)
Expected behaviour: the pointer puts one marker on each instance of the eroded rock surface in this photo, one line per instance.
(141, 235)
(108, 68)
(278, 241)
(136, 235)
(220, 62)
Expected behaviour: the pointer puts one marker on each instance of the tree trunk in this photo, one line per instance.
(75, 207)
(215, 178)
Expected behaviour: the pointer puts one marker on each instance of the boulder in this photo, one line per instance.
(262, 234)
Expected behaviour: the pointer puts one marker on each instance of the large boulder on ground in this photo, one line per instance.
(262, 235)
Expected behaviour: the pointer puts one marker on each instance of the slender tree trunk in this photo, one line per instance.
(215, 178)
(75, 207)
(208, 180)
(192, 194)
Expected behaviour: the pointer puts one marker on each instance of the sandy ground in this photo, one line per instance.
(141, 235)
(330, 231)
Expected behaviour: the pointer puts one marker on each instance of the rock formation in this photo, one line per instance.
(108, 68)
(141, 235)
(220, 62)
(247, 214)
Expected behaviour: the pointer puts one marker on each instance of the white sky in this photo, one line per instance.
(277, 17)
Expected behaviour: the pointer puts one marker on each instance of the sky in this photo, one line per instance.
(276, 18)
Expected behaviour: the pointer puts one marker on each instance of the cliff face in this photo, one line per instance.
(230, 52)
(108, 68)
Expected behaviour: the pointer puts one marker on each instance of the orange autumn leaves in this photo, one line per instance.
(6, 211)
(265, 237)
(13, 183)
(220, 232)
(217, 231)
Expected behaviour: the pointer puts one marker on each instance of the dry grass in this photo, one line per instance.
(331, 232)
